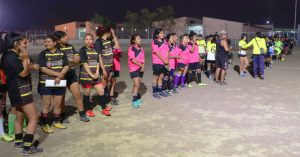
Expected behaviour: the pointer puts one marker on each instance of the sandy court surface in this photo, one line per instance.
(247, 118)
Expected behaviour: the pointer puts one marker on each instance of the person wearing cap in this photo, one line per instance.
(259, 50)
(221, 57)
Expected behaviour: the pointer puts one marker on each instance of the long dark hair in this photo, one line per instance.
(133, 37)
(156, 32)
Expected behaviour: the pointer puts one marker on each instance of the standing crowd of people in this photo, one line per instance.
(175, 65)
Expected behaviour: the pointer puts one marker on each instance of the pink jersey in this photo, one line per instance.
(173, 53)
(117, 57)
(135, 53)
(162, 48)
(184, 53)
(194, 56)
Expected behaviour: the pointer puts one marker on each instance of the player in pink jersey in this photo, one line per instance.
(117, 52)
(168, 84)
(136, 62)
(183, 61)
(160, 60)
(194, 64)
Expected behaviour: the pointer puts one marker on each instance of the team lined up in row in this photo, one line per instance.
(174, 65)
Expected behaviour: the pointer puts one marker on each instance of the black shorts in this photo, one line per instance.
(240, 55)
(202, 56)
(211, 62)
(116, 74)
(71, 77)
(18, 101)
(3, 88)
(158, 69)
(137, 73)
(194, 66)
(222, 61)
(181, 66)
(58, 91)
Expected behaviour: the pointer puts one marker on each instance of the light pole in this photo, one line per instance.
(295, 20)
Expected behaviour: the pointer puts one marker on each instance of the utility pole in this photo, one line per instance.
(295, 20)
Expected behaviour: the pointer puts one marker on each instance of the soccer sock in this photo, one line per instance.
(154, 88)
(176, 80)
(159, 89)
(199, 78)
(56, 118)
(134, 97)
(102, 101)
(182, 80)
(86, 102)
(11, 124)
(1, 127)
(19, 138)
(189, 78)
(28, 139)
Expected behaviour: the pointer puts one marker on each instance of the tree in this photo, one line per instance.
(103, 20)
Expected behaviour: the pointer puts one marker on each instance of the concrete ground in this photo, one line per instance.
(247, 118)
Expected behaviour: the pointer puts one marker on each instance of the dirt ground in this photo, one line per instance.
(247, 118)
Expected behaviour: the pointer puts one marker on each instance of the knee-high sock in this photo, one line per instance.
(102, 101)
(199, 80)
(182, 80)
(11, 124)
(86, 102)
(189, 78)
(1, 126)
(176, 80)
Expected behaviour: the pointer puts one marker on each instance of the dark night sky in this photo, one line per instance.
(46, 13)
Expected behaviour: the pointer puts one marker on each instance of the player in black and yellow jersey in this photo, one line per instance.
(71, 77)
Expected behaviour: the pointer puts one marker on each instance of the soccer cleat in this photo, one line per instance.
(106, 112)
(90, 113)
(140, 101)
(6, 138)
(108, 108)
(47, 129)
(163, 94)
(84, 118)
(155, 95)
(18, 145)
(32, 150)
(136, 104)
(58, 125)
(114, 101)
(65, 120)
(223, 83)
(202, 84)
(189, 85)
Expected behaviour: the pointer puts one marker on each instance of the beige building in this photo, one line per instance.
(208, 25)
(76, 30)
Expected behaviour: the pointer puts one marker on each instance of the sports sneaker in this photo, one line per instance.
(6, 138)
(114, 101)
(189, 85)
(210, 77)
(18, 145)
(202, 84)
(65, 120)
(135, 104)
(90, 113)
(106, 112)
(84, 118)
(155, 95)
(108, 108)
(32, 150)
(217, 82)
(58, 125)
(140, 101)
(262, 77)
(47, 129)
(223, 83)
(163, 94)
